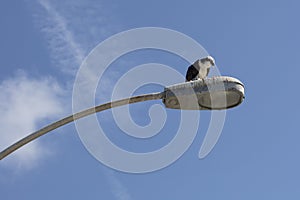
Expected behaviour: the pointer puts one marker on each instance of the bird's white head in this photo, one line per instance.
(208, 61)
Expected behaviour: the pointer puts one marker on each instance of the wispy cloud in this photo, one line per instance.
(72, 29)
(24, 103)
(69, 51)
(117, 188)
(65, 51)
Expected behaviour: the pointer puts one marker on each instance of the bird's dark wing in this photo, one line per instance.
(191, 73)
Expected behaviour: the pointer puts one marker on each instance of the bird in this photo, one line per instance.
(199, 69)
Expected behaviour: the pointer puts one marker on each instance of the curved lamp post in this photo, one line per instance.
(215, 93)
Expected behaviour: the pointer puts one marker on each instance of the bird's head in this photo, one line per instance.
(208, 61)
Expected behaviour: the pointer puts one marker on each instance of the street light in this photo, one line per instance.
(215, 93)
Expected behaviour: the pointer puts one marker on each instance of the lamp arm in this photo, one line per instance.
(81, 114)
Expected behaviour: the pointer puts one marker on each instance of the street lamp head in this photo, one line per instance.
(215, 93)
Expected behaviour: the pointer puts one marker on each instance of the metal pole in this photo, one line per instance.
(214, 93)
(76, 116)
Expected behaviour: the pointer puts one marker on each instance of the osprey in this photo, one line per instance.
(199, 69)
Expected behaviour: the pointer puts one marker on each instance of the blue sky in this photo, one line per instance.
(42, 46)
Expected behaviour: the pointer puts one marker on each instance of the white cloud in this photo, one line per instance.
(72, 30)
(66, 53)
(24, 103)
(117, 188)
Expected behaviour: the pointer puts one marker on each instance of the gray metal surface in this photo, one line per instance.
(215, 93)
